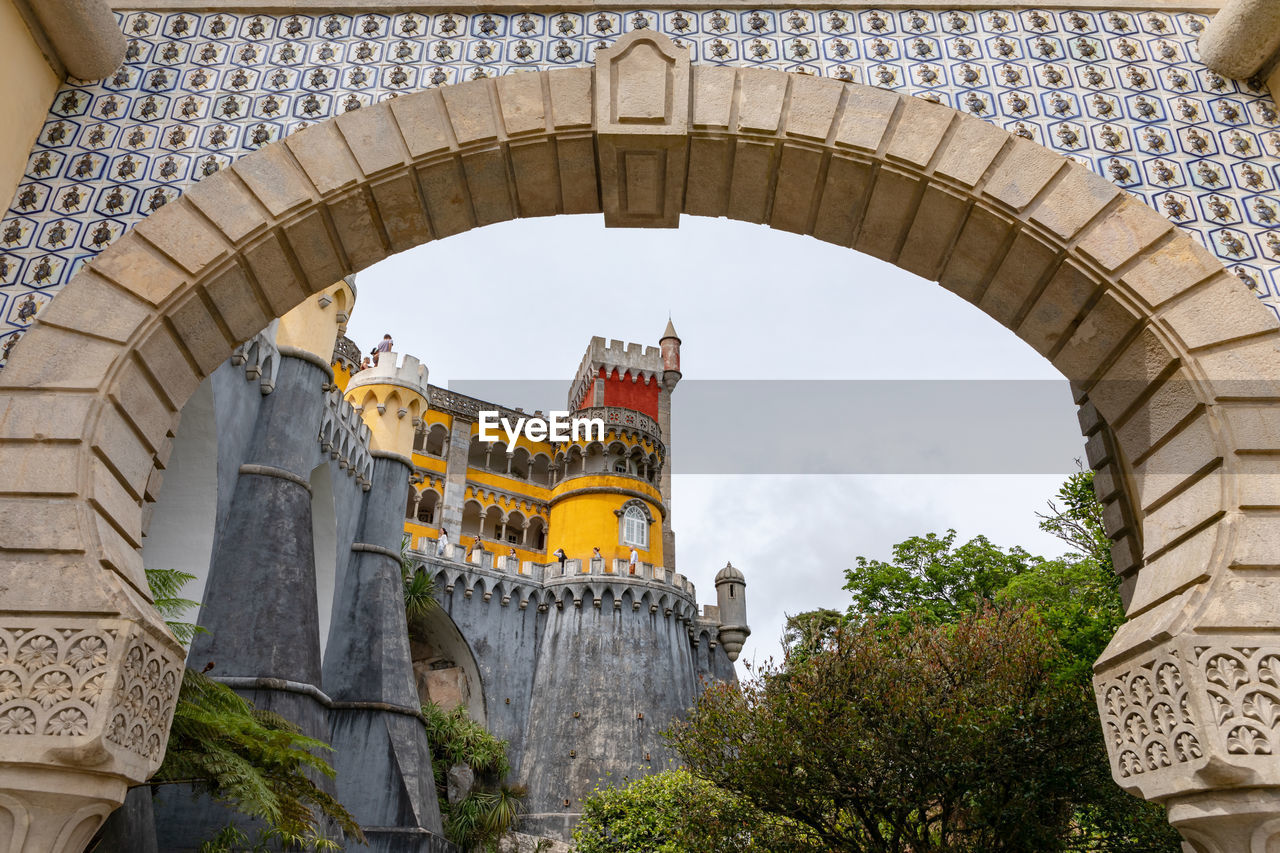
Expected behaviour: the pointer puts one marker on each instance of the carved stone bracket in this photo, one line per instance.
(1196, 713)
(642, 112)
(85, 708)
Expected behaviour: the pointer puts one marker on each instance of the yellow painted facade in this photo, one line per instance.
(33, 84)
(566, 495)
(580, 513)
(584, 516)
(314, 325)
(390, 412)
(341, 375)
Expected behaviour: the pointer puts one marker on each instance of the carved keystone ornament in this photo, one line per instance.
(642, 115)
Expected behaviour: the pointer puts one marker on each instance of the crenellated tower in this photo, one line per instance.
(608, 490)
(391, 397)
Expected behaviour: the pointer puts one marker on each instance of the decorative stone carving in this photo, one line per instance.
(52, 679)
(145, 695)
(1242, 686)
(1195, 714)
(81, 683)
(78, 695)
(642, 114)
(1148, 720)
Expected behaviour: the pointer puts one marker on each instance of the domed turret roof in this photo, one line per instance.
(729, 573)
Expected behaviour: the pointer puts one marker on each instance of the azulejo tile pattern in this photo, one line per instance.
(1121, 92)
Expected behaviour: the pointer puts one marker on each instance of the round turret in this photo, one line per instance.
(670, 345)
(391, 398)
(731, 594)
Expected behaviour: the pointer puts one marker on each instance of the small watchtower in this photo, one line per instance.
(731, 593)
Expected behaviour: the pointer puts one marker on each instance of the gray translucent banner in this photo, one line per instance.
(849, 426)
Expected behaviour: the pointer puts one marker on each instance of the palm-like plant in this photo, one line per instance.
(253, 760)
(419, 589)
(491, 809)
(166, 588)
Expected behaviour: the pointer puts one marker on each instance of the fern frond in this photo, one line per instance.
(253, 760)
(165, 585)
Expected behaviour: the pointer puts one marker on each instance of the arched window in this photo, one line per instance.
(635, 528)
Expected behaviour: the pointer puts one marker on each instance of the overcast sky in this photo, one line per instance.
(520, 300)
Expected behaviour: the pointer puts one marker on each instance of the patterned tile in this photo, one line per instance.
(1121, 92)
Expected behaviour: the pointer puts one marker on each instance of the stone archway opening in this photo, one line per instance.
(444, 668)
(1172, 363)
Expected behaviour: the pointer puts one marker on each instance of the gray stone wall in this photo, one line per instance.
(580, 673)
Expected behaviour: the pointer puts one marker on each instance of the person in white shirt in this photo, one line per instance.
(632, 564)
(442, 544)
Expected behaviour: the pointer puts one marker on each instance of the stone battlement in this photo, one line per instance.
(643, 362)
(544, 584)
(345, 437)
(260, 357)
(394, 369)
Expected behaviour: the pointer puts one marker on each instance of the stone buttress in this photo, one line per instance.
(380, 745)
(260, 611)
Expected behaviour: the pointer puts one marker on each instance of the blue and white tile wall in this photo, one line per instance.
(1122, 92)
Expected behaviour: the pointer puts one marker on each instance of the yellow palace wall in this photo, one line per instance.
(483, 480)
(583, 521)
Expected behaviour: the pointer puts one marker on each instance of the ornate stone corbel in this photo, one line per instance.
(1195, 723)
(89, 702)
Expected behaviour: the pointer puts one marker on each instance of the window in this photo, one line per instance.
(635, 528)
(620, 467)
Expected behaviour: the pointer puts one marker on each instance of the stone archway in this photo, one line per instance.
(1173, 362)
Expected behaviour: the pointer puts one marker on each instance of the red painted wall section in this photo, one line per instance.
(636, 395)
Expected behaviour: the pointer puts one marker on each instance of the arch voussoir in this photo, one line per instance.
(1170, 358)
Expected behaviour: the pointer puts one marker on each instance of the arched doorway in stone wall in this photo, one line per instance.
(1172, 362)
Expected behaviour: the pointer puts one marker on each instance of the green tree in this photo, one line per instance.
(1076, 518)
(491, 808)
(931, 738)
(807, 633)
(1081, 601)
(1075, 595)
(166, 594)
(677, 812)
(930, 578)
